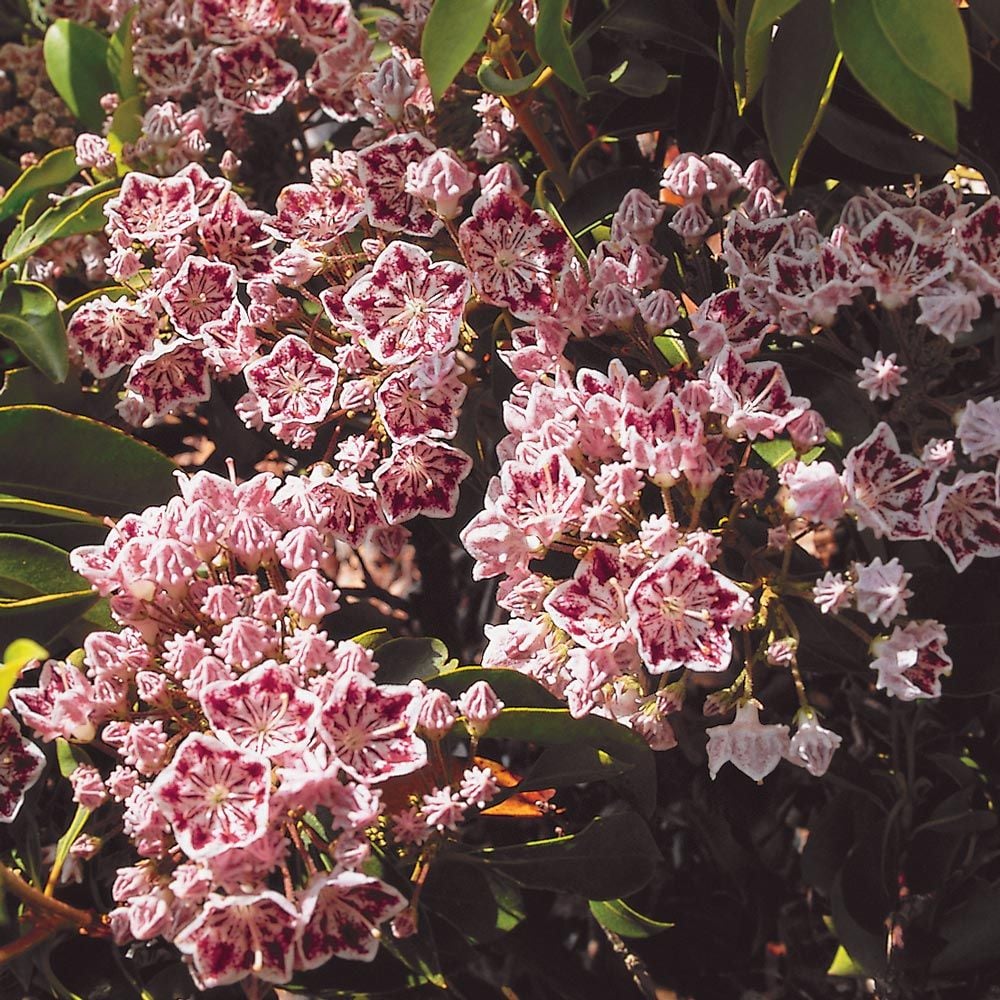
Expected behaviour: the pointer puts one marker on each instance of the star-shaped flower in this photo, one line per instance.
(215, 797)
(681, 611)
(21, 765)
(251, 77)
(293, 382)
(342, 915)
(370, 728)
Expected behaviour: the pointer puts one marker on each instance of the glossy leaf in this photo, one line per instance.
(893, 151)
(76, 60)
(52, 171)
(802, 70)
(553, 47)
(496, 83)
(30, 319)
(403, 660)
(929, 37)
(451, 35)
(766, 12)
(39, 594)
(618, 917)
(571, 764)
(515, 689)
(554, 726)
(16, 657)
(76, 214)
(878, 67)
(750, 54)
(73, 461)
(119, 58)
(613, 856)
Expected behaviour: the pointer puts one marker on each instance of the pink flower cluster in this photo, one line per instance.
(620, 471)
(248, 743)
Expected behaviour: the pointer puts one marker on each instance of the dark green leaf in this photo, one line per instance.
(516, 690)
(571, 764)
(554, 726)
(65, 459)
(30, 319)
(876, 64)
(613, 856)
(553, 48)
(120, 64)
(78, 213)
(750, 52)
(971, 932)
(403, 660)
(766, 12)
(52, 171)
(39, 594)
(452, 33)
(895, 152)
(76, 60)
(638, 76)
(929, 38)
(803, 66)
(496, 83)
(618, 917)
(474, 900)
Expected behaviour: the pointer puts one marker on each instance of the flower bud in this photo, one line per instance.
(480, 706)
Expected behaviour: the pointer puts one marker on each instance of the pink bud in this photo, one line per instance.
(441, 179)
(480, 705)
(391, 87)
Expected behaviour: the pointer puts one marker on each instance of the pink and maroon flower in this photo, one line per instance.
(912, 661)
(382, 168)
(515, 256)
(682, 611)
(886, 489)
(21, 765)
(149, 209)
(110, 335)
(201, 292)
(293, 382)
(342, 915)
(370, 728)
(421, 477)
(590, 608)
(422, 401)
(409, 306)
(265, 711)
(215, 797)
(965, 518)
(171, 376)
(234, 233)
(755, 398)
(242, 935)
(251, 77)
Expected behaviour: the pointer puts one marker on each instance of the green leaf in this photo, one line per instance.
(803, 67)
(618, 917)
(452, 33)
(78, 213)
(766, 12)
(516, 690)
(844, 965)
(775, 452)
(878, 67)
(474, 900)
(126, 125)
(56, 511)
(672, 348)
(553, 47)
(30, 319)
(16, 657)
(76, 60)
(52, 171)
(40, 595)
(64, 459)
(555, 726)
(403, 660)
(750, 54)
(894, 151)
(571, 764)
(929, 37)
(119, 58)
(613, 856)
(496, 83)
